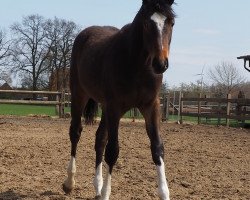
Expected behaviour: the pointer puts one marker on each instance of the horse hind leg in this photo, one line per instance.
(77, 107)
(100, 143)
(111, 151)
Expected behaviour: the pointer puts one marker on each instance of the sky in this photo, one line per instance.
(206, 33)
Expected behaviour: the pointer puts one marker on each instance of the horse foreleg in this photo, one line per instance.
(69, 183)
(162, 182)
(111, 152)
(100, 143)
(151, 115)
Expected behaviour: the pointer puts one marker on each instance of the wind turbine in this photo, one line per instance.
(201, 75)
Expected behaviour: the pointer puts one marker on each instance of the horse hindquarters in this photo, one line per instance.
(78, 102)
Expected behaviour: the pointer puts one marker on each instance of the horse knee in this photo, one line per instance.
(157, 153)
(75, 132)
(111, 154)
(100, 141)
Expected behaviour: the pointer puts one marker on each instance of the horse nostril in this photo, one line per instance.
(160, 66)
(166, 63)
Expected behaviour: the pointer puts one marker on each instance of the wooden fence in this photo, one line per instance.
(202, 107)
(59, 101)
(215, 108)
(62, 99)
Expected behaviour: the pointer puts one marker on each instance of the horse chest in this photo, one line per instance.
(135, 90)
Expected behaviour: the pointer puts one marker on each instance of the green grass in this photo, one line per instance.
(24, 110)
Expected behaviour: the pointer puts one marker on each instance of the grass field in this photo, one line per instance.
(25, 110)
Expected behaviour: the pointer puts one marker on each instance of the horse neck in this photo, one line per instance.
(136, 36)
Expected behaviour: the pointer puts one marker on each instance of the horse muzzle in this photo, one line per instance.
(160, 66)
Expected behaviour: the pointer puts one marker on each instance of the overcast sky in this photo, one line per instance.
(205, 34)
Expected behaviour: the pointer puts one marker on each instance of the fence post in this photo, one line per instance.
(181, 107)
(60, 105)
(228, 109)
(63, 103)
(179, 110)
(199, 109)
(57, 105)
(135, 114)
(164, 108)
(168, 103)
(206, 104)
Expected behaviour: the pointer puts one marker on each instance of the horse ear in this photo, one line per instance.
(144, 2)
(170, 2)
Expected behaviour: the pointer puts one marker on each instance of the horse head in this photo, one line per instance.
(158, 21)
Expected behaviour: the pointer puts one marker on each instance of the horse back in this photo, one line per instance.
(86, 60)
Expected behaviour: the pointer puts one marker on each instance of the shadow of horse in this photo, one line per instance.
(11, 195)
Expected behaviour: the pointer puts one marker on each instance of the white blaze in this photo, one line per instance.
(159, 20)
(162, 182)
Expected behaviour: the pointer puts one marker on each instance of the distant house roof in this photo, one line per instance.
(5, 86)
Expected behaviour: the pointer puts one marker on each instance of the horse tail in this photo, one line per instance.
(90, 111)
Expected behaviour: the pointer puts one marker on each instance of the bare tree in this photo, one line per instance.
(225, 77)
(60, 34)
(5, 76)
(29, 49)
(4, 48)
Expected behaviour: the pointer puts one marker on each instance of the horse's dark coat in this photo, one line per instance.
(121, 69)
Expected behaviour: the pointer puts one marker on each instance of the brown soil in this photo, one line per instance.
(202, 162)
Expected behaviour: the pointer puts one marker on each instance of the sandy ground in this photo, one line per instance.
(202, 162)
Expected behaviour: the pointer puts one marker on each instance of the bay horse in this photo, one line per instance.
(120, 69)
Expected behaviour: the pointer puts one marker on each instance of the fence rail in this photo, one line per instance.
(59, 103)
(227, 108)
(200, 107)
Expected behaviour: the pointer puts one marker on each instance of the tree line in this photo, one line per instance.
(224, 78)
(37, 52)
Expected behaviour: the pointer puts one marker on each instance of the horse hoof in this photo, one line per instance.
(66, 189)
(98, 197)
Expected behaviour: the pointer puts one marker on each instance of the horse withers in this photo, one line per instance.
(120, 69)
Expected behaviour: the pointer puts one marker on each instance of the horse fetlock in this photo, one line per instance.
(98, 184)
(106, 189)
(104, 197)
(98, 197)
(163, 193)
(68, 185)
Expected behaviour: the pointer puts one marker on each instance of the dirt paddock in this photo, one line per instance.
(202, 162)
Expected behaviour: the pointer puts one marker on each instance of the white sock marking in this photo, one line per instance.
(106, 190)
(159, 20)
(162, 182)
(98, 180)
(70, 181)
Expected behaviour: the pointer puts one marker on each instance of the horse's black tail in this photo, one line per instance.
(90, 111)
